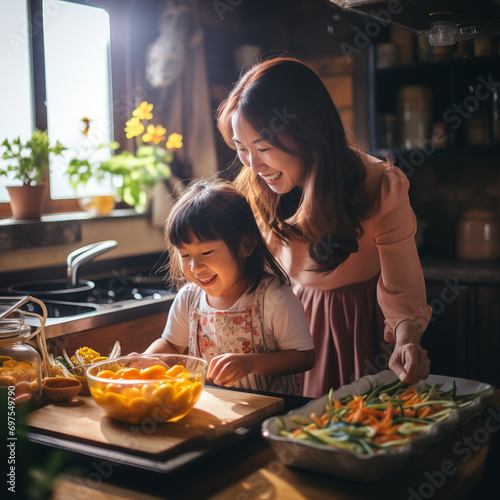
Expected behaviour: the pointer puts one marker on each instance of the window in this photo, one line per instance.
(77, 76)
(58, 55)
(16, 100)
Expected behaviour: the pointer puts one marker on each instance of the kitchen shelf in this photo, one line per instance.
(449, 81)
(448, 64)
(488, 149)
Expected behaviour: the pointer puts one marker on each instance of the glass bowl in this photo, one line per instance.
(98, 204)
(161, 387)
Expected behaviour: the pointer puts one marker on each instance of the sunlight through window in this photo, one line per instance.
(78, 80)
(16, 100)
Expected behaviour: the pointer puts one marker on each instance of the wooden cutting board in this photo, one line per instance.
(217, 412)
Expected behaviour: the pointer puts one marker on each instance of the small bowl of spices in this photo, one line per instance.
(59, 389)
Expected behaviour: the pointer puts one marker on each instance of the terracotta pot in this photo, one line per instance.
(26, 202)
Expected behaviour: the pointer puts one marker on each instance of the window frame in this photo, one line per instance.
(121, 78)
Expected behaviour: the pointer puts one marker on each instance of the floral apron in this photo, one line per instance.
(212, 333)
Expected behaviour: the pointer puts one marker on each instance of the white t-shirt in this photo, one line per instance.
(283, 315)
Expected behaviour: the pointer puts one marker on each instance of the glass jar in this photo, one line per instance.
(97, 196)
(415, 112)
(20, 363)
(476, 122)
(479, 235)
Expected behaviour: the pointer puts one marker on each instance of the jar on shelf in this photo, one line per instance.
(441, 53)
(484, 47)
(424, 48)
(440, 135)
(20, 362)
(415, 115)
(386, 55)
(404, 41)
(479, 235)
(387, 131)
(463, 49)
(477, 120)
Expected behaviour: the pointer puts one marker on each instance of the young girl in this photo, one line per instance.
(238, 312)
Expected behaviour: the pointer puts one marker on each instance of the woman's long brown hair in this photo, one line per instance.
(284, 97)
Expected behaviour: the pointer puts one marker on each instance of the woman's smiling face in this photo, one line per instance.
(280, 170)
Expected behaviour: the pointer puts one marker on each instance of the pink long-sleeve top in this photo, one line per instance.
(387, 247)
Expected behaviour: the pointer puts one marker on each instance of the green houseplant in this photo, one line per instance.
(134, 173)
(29, 162)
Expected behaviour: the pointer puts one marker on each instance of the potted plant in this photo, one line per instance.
(134, 174)
(30, 164)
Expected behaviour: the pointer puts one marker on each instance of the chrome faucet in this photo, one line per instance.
(85, 254)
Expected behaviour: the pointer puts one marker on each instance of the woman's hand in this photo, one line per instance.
(409, 360)
(410, 363)
(227, 369)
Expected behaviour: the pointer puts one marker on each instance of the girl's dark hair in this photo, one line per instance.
(215, 210)
(283, 97)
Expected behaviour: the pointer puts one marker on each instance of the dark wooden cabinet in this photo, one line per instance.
(487, 306)
(440, 338)
(463, 337)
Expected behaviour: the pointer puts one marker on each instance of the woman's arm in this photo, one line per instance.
(227, 369)
(401, 287)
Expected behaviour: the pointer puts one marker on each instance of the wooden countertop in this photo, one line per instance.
(464, 465)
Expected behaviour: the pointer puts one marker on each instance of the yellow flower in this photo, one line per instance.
(174, 141)
(134, 127)
(143, 111)
(154, 134)
(85, 120)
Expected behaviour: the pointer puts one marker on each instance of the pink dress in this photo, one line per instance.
(354, 310)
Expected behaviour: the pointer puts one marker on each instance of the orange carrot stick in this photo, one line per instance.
(424, 412)
(316, 419)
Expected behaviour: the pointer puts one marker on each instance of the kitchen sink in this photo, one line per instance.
(113, 299)
(110, 292)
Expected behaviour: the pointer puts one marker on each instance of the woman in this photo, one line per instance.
(339, 222)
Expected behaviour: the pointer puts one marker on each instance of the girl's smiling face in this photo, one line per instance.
(280, 170)
(215, 269)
